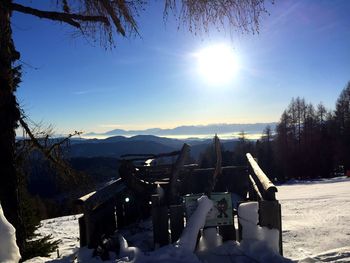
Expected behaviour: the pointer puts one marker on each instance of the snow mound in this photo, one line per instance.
(254, 234)
(334, 255)
(9, 251)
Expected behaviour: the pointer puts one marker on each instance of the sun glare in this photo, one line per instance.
(217, 64)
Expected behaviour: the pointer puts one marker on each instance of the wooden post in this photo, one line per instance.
(268, 188)
(160, 222)
(89, 227)
(270, 216)
(176, 222)
(174, 191)
(82, 231)
(228, 232)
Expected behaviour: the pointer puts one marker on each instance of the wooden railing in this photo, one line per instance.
(264, 191)
(107, 208)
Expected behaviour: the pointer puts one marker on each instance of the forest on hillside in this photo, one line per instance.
(309, 142)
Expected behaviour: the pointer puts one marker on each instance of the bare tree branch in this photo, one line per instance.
(58, 16)
(48, 152)
(112, 14)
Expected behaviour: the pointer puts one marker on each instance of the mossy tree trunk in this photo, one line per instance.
(9, 116)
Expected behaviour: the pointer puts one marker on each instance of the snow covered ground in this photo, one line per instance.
(315, 218)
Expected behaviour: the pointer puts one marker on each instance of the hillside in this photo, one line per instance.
(116, 146)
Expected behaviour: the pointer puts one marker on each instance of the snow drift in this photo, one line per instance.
(9, 251)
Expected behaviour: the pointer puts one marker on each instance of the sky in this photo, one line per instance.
(152, 80)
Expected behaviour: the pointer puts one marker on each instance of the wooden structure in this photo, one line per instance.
(159, 188)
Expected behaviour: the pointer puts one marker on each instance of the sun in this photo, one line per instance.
(217, 64)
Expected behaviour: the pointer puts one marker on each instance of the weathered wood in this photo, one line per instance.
(254, 193)
(224, 168)
(228, 232)
(89, 227)
(98, 222)
(218, 168)
(82, 231)
(160, 222)
(270, 216)
(269, 189)
(93, 200)
(176, 221)
(145, 156)
(127, 172)
(83, 199)
(174, 191)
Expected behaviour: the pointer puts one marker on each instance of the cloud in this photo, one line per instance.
(89, 91)
(110, 125)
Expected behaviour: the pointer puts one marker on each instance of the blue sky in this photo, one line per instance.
(303, 49)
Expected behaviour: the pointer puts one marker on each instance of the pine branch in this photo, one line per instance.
(58, 16)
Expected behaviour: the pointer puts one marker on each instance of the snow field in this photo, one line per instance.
(315, 222)
(315, 216)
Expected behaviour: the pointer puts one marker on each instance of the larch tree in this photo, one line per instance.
(101, 20)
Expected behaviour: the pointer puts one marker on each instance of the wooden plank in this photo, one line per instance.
(176, 221)
(180, 161)
(82, 231)
(269, 188)
(160, 222)
(224, 168)
(254, 193)
(228, 232)
(103, 195)
(270, 216)
(89, 228)
(100, 221)
(83, 199)
(218, 168)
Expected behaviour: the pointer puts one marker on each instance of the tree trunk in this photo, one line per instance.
(9, 116)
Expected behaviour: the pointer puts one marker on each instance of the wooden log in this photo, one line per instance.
(270, 216)
(176, 221)
(269, 189)
(160, 222)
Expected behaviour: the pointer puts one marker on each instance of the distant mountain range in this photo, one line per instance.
(191, 130)
(118, 145)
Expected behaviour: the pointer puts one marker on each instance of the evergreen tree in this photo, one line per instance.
(342, 122)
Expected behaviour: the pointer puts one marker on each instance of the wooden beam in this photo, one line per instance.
(94, 200)
(255, 188)
(270, 216)
(160, 222)
(176, 221)
(269, 188)
(176, 171)
(218, 168)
